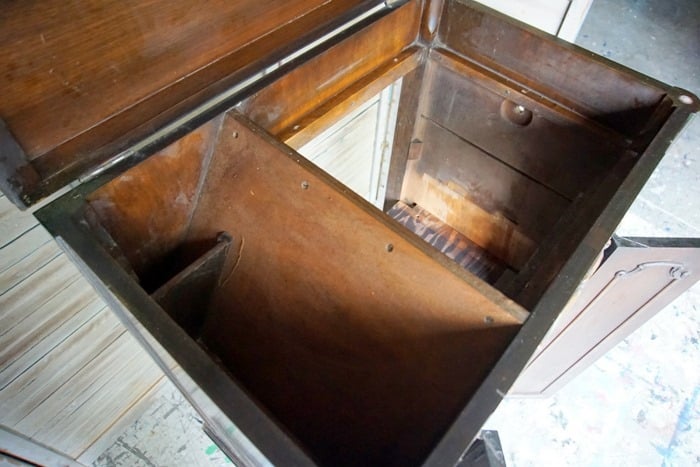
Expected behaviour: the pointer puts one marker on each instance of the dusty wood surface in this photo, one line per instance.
(147, 210)
(351, 346)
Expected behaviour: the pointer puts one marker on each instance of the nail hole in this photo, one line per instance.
(304, 185)
(389, 247)
(685, 99)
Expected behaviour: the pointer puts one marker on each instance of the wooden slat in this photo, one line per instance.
(20, 301)
(66, 421)
(22, 247)
(32, 387)
(13, 222)
(131, 413)
(27, 265)
(44, 320)
(346, 150)
(22, 446)
(41, 345)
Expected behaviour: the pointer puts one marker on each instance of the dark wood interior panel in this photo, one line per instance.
(562, 154)
(605, 92)
(497, 207)
(345, 327)
(281, 105)
(147, 210)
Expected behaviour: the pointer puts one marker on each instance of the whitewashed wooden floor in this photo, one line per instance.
(71, 377)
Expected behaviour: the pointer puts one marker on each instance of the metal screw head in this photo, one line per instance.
(488, 319)
(234, 134)
(304, 185)
(389, 247)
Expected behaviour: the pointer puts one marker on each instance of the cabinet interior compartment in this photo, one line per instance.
(362, 331)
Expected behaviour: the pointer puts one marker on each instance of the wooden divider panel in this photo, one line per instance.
(361, 340)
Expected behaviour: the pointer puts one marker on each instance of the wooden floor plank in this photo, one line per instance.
(54, 411)
(44, 320)
(75, 431)
(23, 299)
(28, 265)
(43, 345)
(23, 247)
(13, 222)
(108, 437)
(32, 387)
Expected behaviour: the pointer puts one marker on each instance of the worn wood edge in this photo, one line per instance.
(17, 175)
(481, 287)
(330, 112)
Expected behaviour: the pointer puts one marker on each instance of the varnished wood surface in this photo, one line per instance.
(563, 153)
(353, 347)
(83, 79)
(603, 92)
(147, 210)
(281, 106)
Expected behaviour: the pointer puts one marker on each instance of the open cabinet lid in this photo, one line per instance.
(83, 81)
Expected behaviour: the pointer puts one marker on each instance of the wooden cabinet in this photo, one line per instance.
(311, 326)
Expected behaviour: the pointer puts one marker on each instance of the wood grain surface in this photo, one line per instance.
(345, 327)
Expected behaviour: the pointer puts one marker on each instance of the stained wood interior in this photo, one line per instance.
(347, 331)
(358, 337)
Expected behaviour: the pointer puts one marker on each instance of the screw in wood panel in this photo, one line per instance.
(488, 319)
(515, 113)
(685, 99)
(235, 134)
(389, 247)
(304, 185)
